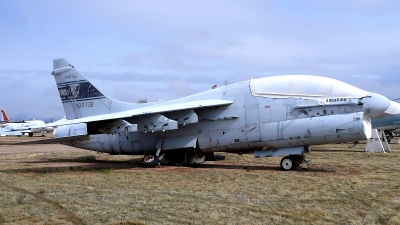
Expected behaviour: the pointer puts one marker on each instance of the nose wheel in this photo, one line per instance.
(291, 162)
(287, 163)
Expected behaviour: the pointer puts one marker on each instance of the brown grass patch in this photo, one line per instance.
(61, 185)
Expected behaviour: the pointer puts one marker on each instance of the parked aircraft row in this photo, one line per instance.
(18, 128)
(270, 116)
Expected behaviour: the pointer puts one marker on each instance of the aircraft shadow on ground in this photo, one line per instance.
(90, 163)
(249, 168)
(338, 150)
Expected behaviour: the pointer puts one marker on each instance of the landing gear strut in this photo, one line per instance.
(153, 160)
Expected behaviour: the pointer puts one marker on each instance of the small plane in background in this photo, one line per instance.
(24, 127)
(5, 120)
(270, 116)
(5, 132)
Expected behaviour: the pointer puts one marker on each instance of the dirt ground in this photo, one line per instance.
(26, 154)
(18, 149)
(8, 145)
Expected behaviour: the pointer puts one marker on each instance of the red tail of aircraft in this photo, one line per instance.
(5, 117)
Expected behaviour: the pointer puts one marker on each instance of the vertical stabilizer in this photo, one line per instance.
(4, 116)
(80, 98)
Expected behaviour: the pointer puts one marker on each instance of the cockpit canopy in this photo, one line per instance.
(303, 86)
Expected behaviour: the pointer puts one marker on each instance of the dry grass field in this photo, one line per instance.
(54, 184)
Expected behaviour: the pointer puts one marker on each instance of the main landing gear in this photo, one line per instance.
(292, 162)
(150, 161)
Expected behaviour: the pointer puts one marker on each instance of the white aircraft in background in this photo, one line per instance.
(5, 132)
(270, 116)
(25, 127)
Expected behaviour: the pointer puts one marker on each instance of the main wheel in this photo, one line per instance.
(150, 161)
(288, 163)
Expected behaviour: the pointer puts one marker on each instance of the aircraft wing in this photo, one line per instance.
(78, 127)
(153, 109)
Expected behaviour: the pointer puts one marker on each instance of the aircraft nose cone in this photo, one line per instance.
(375, 104)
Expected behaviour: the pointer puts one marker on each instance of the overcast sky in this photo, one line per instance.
(169, 49)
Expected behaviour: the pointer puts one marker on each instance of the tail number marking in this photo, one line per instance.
(84, 105)
(70, 76)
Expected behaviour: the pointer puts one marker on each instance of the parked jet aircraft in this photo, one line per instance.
(6, 132)
(25, 127)
(271, 116)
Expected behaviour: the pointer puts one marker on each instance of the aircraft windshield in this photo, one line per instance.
(303, 86)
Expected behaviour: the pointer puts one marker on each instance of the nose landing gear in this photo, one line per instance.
(292, 162)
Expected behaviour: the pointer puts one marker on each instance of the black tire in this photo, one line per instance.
(389, 138)
(150, 161)
(289, 163)
(30, 134)
(219, 157)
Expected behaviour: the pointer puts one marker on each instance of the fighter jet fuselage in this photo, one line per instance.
(250, 123)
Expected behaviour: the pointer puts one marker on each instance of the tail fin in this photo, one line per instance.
(79, 96)
(5, 117)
